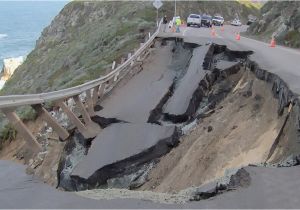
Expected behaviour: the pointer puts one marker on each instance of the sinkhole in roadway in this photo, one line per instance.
(207, 114)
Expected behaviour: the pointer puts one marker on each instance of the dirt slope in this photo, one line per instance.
(241, 131)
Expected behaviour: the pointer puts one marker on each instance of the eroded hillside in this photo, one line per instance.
(280, 19)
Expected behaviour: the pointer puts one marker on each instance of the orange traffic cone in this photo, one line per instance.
(213, 32)
(273, 42)
(238, 36)
(222, 28)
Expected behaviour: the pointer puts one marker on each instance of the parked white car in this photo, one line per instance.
(218, 20)
(194, 19)
(236, 22)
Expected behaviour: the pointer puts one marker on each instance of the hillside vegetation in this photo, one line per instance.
(85, 37)
(280, 19)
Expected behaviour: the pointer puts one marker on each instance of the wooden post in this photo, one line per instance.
(116, 76)
(22, 129)
(73, 118)
(123, 60)
(101, 90)
(46, 116)
(95, 94)
(90, 103)
(113, 65)
(84, 112)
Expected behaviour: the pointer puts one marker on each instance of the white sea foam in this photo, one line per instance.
(3, 36)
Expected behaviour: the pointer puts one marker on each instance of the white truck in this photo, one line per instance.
(194, 19)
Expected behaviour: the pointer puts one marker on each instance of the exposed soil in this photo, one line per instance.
(241, 131)
(45, 164)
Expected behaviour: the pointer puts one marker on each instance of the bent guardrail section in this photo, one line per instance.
(94, 90)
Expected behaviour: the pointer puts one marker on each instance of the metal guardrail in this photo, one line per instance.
(29, 99)
(94, 90)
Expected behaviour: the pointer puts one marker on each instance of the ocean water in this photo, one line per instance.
(21, 23)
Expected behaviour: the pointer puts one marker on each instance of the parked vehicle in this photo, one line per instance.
(194, 19)
(206, 20)
(218, 20)
(236, 22)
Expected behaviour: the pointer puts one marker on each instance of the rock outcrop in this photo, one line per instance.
(9, 66)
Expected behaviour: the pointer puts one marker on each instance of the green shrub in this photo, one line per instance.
(292, 38)
(27, 113)
(8, 133)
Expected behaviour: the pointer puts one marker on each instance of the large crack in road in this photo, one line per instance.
(209, 99)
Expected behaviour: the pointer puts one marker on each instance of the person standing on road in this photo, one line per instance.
(178, 23)
(165, 22)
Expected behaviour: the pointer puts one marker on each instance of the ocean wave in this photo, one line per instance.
(3, 36)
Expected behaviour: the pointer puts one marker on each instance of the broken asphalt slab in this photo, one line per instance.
(179, 103)
(118, 142)
(134, 101)
(223, 64)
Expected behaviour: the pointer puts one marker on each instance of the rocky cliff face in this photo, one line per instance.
(280, 19)
(85, 37)
(9, 67)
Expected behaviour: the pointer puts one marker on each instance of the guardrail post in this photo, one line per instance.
(116, 76)
(101, 90)
(22, 129)
(73, 118)
(113, 65)
(84, 112)
(61, 132)
(123, 60)
(90, 103)
(95, 94)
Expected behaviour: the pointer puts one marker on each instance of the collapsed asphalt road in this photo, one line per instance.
(212, 73)
(102, 164)
(123, 154)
